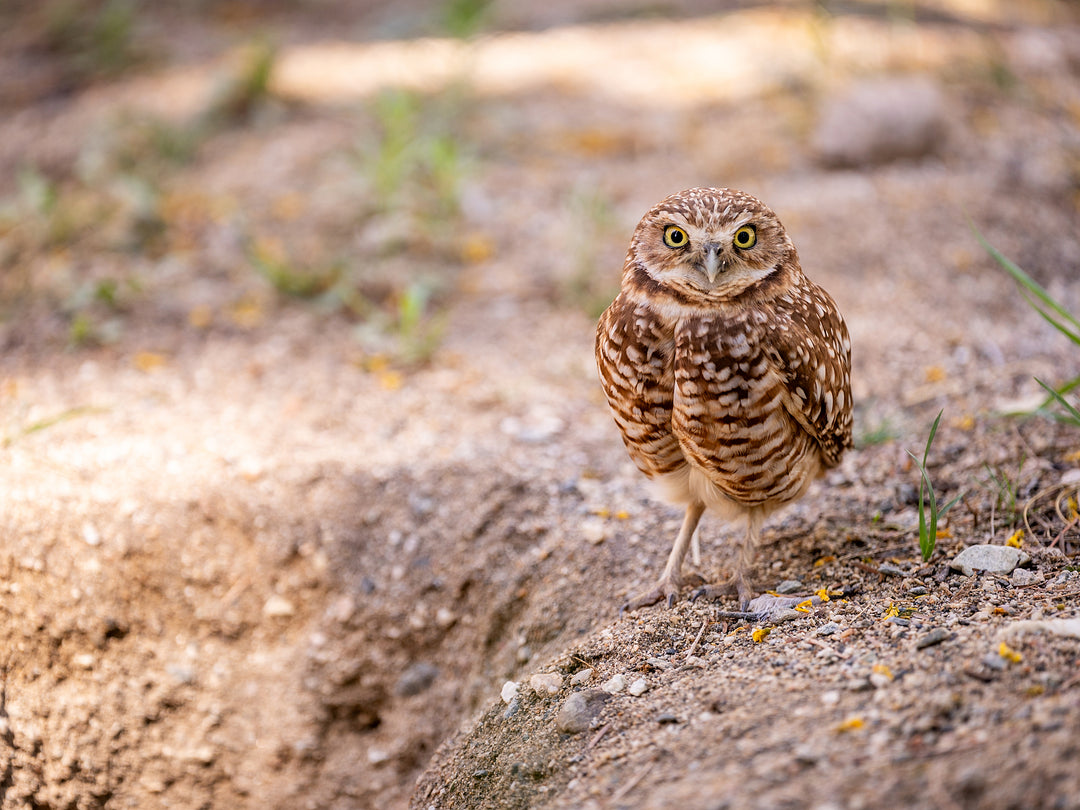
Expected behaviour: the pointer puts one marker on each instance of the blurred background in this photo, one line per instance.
(302, 452)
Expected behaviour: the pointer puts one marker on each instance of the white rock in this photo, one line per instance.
(83, 661)
(91, 535)
(988, 558)
(638, 687)
(614, 684)
(278, 607)
(546, 683)
(509, 691)
(581, 677)
(879, 120)
(1055, 627)
(594, 530)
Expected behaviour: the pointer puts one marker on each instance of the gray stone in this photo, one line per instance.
(935, 636)
(416, 679)
(789, 586)
(991, 559)
(1023, 578)
(580, 710)
(881, 120)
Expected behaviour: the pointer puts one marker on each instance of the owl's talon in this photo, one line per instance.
(664, 590)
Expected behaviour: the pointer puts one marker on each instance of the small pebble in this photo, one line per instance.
(278, 607)
(789, 586)
(509, 691)
(581, 678)
(416, 679)
(513, 708)
(1022, 577)
(786, 615)
(594, 531)
(546, 683)
(580, 710)
(83, 661)
(988, 558)
(935, 636)
(659, 663)
(918, 590)
(828, 629)
(994, 661)
(667, 719)
(879, 680)
(638, 687)
(890, 570)
(614, 684)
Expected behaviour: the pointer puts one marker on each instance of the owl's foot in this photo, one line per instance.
(737, 584)
(666, 588)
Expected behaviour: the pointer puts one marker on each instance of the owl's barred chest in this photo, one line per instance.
(725, 401)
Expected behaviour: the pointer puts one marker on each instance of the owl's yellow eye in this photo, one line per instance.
(675, 237)
(745, 237)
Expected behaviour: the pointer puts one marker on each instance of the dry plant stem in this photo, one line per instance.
(633, 783)
(697, 638)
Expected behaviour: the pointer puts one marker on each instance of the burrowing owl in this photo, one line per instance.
(728, 371)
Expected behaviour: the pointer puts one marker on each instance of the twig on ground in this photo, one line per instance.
(697, 638)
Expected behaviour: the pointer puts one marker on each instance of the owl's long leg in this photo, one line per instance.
(667, 587)
(744, 558)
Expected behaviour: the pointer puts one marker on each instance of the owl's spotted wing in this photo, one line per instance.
(634, 358)
(811, 350)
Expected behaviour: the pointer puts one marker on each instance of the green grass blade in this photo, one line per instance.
(1073, 414)
(1033, 287)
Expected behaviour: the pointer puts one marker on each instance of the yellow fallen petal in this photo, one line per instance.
(935, 374)
(1009, 654)
(804, 606)
(822, 594)
(148, 361)
(851, 724)
(622, 514)
(1016, 539)
(477, 248)
(200, 317)
(760, 633)
(820, 561)
(882, 669)
(891, 611)
(389, 379)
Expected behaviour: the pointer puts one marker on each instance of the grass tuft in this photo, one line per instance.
(929, 512)
(1055, 314)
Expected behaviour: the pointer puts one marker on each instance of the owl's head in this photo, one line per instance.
(713, 241)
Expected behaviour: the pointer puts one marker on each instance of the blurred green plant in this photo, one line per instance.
(246, 89)
(1055, 314)
(419, 325)
(929, 512)
(590, 286)
(1006, 492)
(882, 433)
(290, 278)
(95, 39)
(415, 160)
(464, 18)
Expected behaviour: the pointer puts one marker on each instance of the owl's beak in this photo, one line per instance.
(712, 264)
